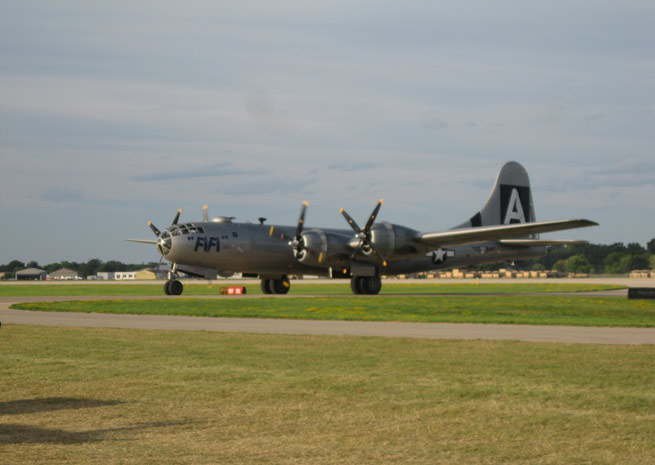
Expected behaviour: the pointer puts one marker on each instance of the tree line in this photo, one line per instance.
(89, 268)
(615, 258)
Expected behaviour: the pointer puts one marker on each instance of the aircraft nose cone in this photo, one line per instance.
(165, 243)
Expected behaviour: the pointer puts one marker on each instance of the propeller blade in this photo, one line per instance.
(378, 254)
(359, 247)
(374, 215)
(273, 233)
(301, 220)
(154, 229)
(205, 215)
(350, 221)
(177, 217)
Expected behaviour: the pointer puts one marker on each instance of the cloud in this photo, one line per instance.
(269, 186)
(349, 167)
(212, 171)
(62, 194)
(432, 120)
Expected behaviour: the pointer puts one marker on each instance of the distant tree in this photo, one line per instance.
(638, 262)
(52, 267)
(91, 267)
(614, 263)
(538, 267)
(560, 265)
(651, 246)
(13, 266)
(556, 253)
(70, 265)
(578, 264)
(112, 265)
(32, 264)
(635, 248)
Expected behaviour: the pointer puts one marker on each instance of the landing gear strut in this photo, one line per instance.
(276, 286)
(369, 285)
(173, 286)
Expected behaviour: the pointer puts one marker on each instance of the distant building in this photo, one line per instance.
(145, 274)
(65, 273)
(123, 275)
(31, 274)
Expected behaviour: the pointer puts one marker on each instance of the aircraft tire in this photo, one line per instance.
(176, 287)
(266, 286)
(371, 285)
(280, 286)
(356, 285)
(167, 287)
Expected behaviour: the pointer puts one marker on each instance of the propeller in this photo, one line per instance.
(154, 228)
(205, 215)
(364, 234)
(157, 231)
(296, 241)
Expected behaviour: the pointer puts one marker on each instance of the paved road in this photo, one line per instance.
(568, 334)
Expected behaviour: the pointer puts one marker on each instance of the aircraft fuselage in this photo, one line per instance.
(249, 248)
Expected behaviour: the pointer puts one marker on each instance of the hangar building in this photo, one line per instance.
(33, 274)
(64, 273)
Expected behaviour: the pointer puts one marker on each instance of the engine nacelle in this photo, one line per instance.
(391, 239)
(322, 248)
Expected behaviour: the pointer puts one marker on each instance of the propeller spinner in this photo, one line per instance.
(296, 242)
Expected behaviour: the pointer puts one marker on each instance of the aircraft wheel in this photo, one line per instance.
(167, 287)
(371, 285)
(176, 287)
(280, 286)
(266, 286)
(356, 285)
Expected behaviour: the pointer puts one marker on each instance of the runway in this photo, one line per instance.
(559, 334)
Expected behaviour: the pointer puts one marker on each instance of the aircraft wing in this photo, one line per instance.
(537, 242)
(493, 233)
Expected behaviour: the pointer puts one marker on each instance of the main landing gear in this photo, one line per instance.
(370, 285)
(276, 286)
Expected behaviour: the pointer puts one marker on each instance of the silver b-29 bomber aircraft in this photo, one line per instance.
(504, 230)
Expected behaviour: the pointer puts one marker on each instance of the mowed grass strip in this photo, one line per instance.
(79, 396)
(512, 309)
(342, 287)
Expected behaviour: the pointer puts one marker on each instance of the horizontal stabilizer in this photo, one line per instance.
(494, 233)
(540, 242)
(143, 241)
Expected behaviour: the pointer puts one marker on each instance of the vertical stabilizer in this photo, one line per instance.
(510, 201)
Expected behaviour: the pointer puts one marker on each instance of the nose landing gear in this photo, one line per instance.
(173, 286)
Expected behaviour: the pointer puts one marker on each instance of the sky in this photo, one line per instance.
(113, 114)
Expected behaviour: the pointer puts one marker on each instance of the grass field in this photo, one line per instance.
(79, 396)
(508, 309)
(342, 287)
